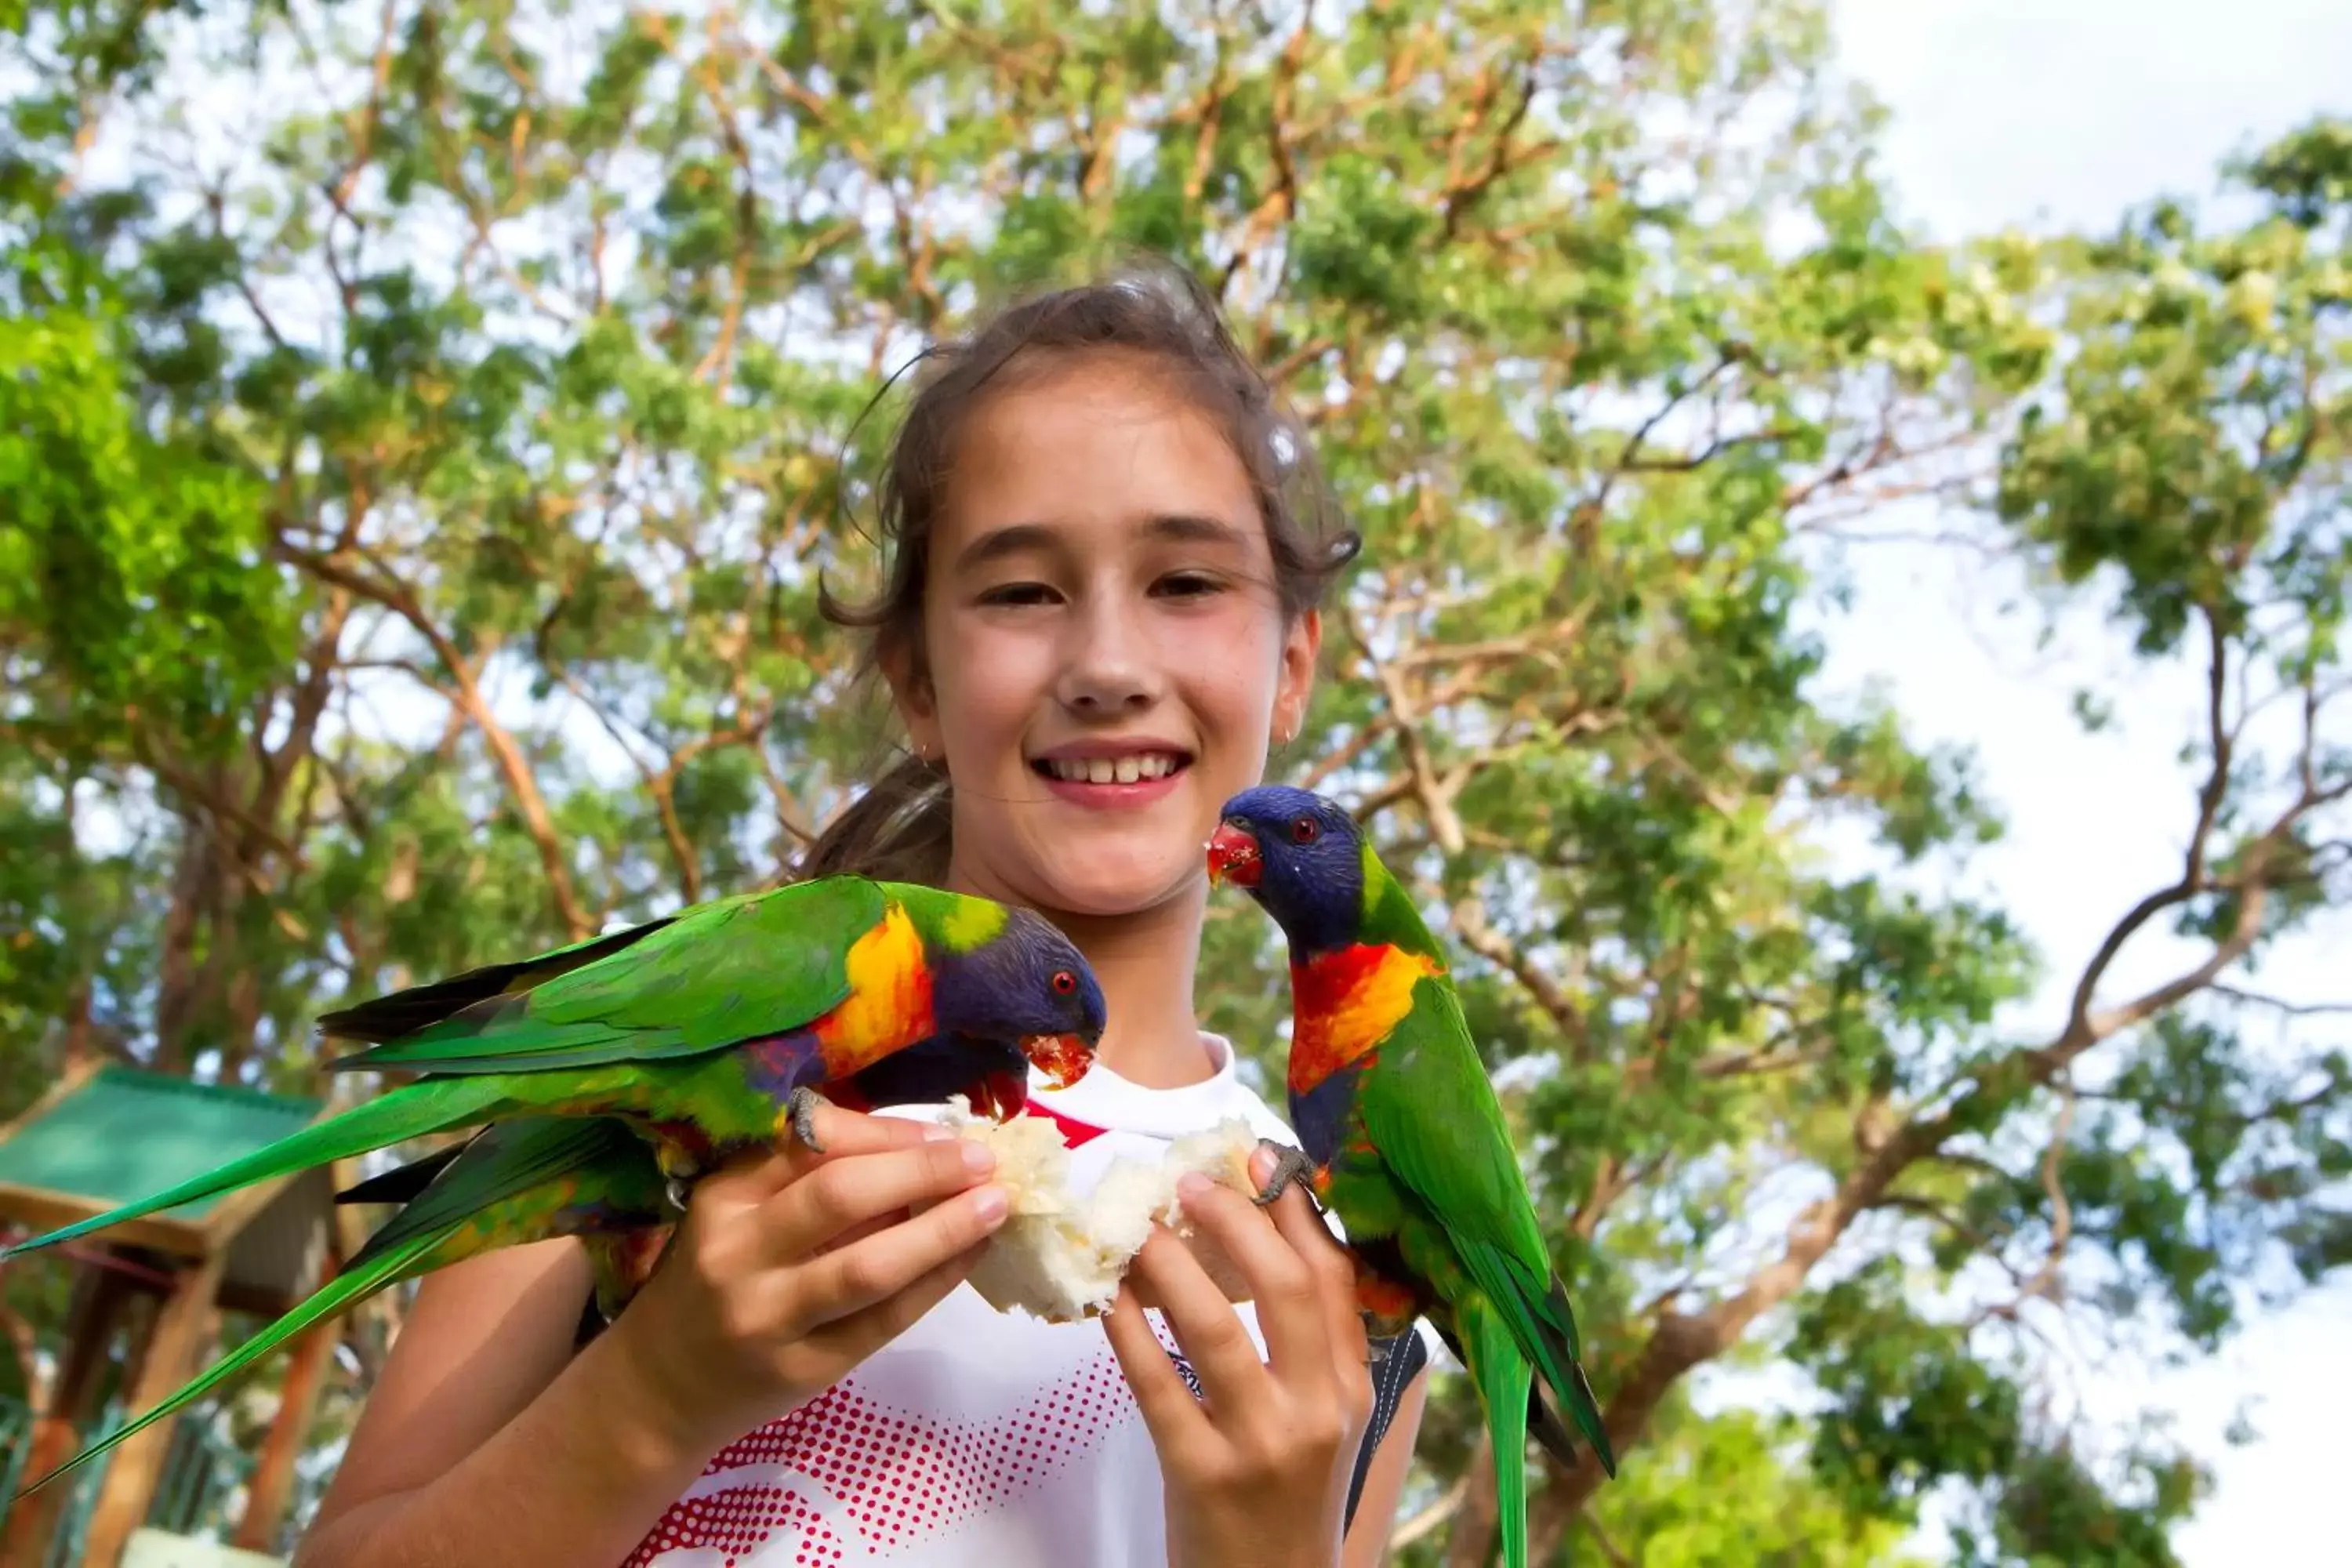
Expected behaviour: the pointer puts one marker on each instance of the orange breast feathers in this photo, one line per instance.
(1344, 1003)
(889, 1000)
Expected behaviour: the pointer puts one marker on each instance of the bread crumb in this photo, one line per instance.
(1060, 1256)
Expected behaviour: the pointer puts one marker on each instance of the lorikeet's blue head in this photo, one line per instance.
(1027, 983)
(1300, 856)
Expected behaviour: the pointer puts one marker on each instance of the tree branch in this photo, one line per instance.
(465, 694)
(2219, 740)
(2044, 1283)
(1429, 1518)
(2279, 1004)
(1427, 791)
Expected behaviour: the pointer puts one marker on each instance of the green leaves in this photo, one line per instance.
(132, 575)
(2202, 411)
(1911, 1405)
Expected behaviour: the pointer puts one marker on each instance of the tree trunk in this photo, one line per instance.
(178, 974)
(1472, 1540)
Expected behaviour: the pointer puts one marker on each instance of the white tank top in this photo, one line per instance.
(976, 1436)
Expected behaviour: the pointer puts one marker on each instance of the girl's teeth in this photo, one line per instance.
(1104, 769)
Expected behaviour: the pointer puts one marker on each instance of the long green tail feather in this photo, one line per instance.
(1536, 1314)
(331, 1298)
(407, 1112)
(1563, 1371)
(510, 1158)
(1505, 1380)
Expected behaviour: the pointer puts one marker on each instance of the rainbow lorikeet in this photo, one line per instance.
(627, 1226)
(1403, 1136)
(707, 1031)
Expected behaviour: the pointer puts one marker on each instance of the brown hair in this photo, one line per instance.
(900, 827)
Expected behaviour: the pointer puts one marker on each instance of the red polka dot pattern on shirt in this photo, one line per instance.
(890, 1476)
(736, 1522)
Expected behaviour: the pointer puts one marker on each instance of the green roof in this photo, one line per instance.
(126, 1133)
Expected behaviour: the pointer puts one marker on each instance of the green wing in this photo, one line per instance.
(717, 975)
(405, 1012)
(1434, 1118)
(604, 1163)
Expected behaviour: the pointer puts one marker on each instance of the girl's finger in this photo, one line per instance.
(1205, 1325)
(852, 1189)
(850, 1340)
(857, 1233)
(850, 1279)
(1335, 1273)
(1169, 1411)
(1291, 1312)
(843, 1133)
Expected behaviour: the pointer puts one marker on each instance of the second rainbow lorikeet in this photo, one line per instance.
(1403, 1137)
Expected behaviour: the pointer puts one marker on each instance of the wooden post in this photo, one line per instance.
(298, 1400)
(138, 1464)
(98, 1298)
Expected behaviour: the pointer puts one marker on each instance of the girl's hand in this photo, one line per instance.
(791, 1269)
(1256, 1471)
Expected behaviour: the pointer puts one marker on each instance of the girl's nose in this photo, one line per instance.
(1108, 670)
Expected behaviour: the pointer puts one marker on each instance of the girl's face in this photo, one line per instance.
(1104, 653)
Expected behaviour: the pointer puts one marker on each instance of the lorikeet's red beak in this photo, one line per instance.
(1063, 1058)
(1233, 856)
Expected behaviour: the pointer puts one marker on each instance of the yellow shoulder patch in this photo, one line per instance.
(889, 1000)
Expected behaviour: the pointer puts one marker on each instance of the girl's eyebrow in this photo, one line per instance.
(1016, 538)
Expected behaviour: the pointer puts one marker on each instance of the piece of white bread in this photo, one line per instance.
(1060, 1255)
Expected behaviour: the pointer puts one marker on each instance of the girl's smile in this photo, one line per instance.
(1113, 775)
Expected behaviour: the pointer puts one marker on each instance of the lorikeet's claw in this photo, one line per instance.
(677, 1190)
(802, 1104)
(1291, 1165)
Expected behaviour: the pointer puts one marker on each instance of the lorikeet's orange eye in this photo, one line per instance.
(1064, 982)
(1305, 830)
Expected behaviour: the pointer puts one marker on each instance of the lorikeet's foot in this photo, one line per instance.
(679, 1171)
(1290, 1165)
(802, 1104)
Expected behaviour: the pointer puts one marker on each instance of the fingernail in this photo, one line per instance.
(978, 1158)
(991, 1205)
(1192, 1184)
(935, 1133)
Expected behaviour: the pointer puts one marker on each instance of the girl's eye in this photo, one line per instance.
(1018, 594)
(1189, 585)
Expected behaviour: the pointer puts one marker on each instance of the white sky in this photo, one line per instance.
(2054, 114)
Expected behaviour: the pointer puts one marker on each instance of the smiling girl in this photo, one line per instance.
(1099, 616)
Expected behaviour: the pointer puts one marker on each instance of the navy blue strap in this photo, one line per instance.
(1407, 1354)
